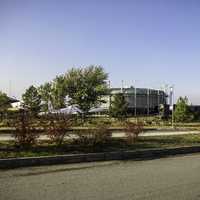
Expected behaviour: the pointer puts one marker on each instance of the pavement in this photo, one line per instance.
(175, 178)
(8, 137)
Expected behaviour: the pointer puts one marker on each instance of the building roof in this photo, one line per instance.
(131, 90)
(12, 100)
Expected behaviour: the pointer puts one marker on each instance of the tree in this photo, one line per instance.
(85, 86)
(119, 107)
(4, 102)
(181, 113)
(58, 92)
(45, 91)
(32, 99)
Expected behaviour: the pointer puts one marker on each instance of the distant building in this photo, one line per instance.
(139, 100)
(16, 103)
(12, 100)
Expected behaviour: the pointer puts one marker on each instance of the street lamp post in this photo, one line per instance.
(158, 100)
(135, 97)
(172, 103)
(135, 100)
(109, 90)
(148, 91)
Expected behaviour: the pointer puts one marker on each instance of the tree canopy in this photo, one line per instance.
(32, 99)
(182, 113)
(4, 102)
(119, 107)
(46, 96)
(58, 92)
(85, 86)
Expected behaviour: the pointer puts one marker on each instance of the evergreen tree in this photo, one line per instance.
(119, 107)
(58, 92)
(45, 91)
(4, 102)
(32, 99)
(181, 113)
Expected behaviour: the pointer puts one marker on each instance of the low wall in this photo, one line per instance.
(78, 158)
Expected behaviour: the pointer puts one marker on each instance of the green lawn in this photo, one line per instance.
(8, 150)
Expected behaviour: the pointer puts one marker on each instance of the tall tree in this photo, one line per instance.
(32, 99)
(85, 86)
(45, 91)
(4, 102)
(119, 106)
(58, 92)
(182, 113)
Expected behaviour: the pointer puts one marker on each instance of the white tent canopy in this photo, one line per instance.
(70, 110)
(98, 110)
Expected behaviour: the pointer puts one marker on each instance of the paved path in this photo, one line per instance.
(7, 137)
(176, 178)
(159, 133)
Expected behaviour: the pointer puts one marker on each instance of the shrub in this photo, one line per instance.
(26, 132)
(96, 136)
(132, 130)
(56, 127)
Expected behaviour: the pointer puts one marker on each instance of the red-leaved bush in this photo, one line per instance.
(26, 132)
(98, 135)
(132, 130)
(56, 127)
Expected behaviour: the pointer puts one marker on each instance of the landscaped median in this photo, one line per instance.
(143, 148)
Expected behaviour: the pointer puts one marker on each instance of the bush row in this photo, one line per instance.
(28, 129)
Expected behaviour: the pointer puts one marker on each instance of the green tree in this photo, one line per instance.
(4, 102)
(58, 92)
(32, 99)
(119, 107)
(85, 86)
(182, 113)
(45, 91)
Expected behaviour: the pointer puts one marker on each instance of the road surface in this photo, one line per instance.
(8, 137)
(175, 178)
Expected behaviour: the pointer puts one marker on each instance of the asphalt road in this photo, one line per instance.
(175, 178)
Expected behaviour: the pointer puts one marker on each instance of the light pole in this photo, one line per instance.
(109, 93)
(122, 86)
(135, 101)
(172, 103)
(158, 101)
(148, 91)
(135, 97)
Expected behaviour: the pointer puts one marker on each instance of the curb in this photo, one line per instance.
(91, 157)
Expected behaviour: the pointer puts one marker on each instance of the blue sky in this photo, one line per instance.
(155, 42)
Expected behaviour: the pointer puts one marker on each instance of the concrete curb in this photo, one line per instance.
(91, 157)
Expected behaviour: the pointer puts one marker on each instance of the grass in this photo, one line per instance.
(44, 148)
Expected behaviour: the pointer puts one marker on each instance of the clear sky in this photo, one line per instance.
(155, 42)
